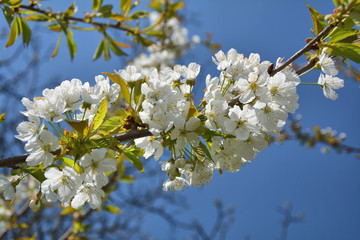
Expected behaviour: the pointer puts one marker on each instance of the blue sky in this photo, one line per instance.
(326, 187)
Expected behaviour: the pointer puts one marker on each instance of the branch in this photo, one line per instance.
(99, 24)
(122, 137)
(305, 49)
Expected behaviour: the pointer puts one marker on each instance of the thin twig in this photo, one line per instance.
(122, 137)
(99, 24)
(304, 49)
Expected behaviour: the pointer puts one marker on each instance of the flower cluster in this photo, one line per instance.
(328, 82)
(72, 102)
(242, 107)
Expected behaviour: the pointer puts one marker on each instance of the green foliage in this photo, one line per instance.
(2, 117)
(112, 209)
(100, 114)
(346, 50)
(318, 20)
(133, 155)
(123, 84)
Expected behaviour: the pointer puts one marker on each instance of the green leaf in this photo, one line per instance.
(108, 142)
(96, 4)
(14, 33)
(2, 117)
(133, 155)
(71, 44)
(36, 172)
(139, 15)
(112, 123)
(317, 19)
(125, 6)
(8, 14)
(70, 163)
(14, 3)
(114, 47)
(156, 5)
(106, 10)
(137, 92)
(55, 27)
(37, 18)
(112, 209)
(355, 14)
(81, 127)
(82, 28)
(106, 51)
(342, 34)
(100, 114)
(155, 33)
(99, 50)
(124, 87)
(26, 32)
(57, 46)
(346, 50)
(70, 11)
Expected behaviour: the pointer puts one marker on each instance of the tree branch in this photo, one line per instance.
(99, 24)
(122, 137)
(304, 49)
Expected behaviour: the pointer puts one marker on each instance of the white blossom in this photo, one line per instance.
(328, 84)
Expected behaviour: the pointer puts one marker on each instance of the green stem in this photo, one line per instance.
(307, 71)
(54, 128)
(310, 84)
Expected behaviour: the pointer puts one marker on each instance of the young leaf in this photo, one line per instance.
(112, 209)
(133, 156)
(346, 50)
(37, 18)
(125, 6)
(57, 46)
(36, 172)
(106, 51)
(15, 3)
(96, 4)
(70, 11)
(155, 33)
(316, 18)
(71, 44)
(100, 114)
(342, 34)
(137, 92)
(355, 14)
(26, 32)
(8, 14)
(99, 50)
(114, 47)
(139, 15)
(70, 163)
(112, 123)
(124, 87)
(81, 127)
(82, 28)
(108, 142)
(2, 117)
(14, 33)
(106, 10)
(54, 27)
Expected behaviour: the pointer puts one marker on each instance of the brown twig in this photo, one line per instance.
(304, 49)
(99, 24)
(122, 137)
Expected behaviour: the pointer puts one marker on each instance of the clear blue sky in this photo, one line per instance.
(327, 187)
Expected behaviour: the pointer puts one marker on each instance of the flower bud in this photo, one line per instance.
(35, 205)
(180, 162)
